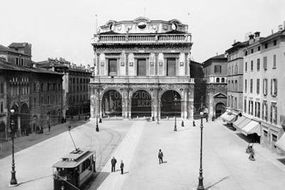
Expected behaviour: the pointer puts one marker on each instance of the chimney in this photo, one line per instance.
(251, 38)
(257, 36)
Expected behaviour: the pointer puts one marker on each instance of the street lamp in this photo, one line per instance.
(175, 125)
(200, 185)
(97, 126)
(13, 180)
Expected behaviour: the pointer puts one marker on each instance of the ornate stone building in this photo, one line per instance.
(35, 94)
(142, 69)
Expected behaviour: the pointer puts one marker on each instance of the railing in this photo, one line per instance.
(143, 79)
(119, 38)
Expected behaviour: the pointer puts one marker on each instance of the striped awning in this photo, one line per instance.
(242, 123)
(281, 142)
(238, 121)
(228, 117)
(251, 128)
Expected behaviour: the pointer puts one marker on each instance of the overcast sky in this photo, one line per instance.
(64, 28)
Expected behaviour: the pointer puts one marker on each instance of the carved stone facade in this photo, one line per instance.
(142, 69)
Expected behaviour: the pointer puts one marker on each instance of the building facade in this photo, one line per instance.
(264, 86)
(75, 83)
(21, 89)
(235, 77)
(215, 75)
(142, 69)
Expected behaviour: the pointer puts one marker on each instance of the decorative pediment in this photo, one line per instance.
(220, 95)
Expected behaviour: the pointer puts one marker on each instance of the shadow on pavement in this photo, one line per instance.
(282, 160)
(35, 179)
(224, 178)
(97, 180)
(245, 138)
(230, 126)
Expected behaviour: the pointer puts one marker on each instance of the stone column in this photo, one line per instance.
(125, 103)
(129, 104)
(185, 101)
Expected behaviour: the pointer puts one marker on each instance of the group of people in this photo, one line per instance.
(113, 164)
(250, 151)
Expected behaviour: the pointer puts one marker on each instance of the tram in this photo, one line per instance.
(73, 170)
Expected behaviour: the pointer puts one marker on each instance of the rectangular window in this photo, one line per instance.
(245, 85)
(251, 65)
(251, 85)
(171, 67)
(274, 62)
(141, 67)
(244, 105)
(257, 108)
(17, 61)
(275, 42)
(245, 66)
(274, 87)
(258, 64)
(265, 83)
(265, 63)
(217, 69)
(274, 138)
(112, 67)
(257, 86)
(266, 46)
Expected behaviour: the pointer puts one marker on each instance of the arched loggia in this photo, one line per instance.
(112, 104)
(170, 104)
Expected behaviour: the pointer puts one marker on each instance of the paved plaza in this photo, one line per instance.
(225, 163)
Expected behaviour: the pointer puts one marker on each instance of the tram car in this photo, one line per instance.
(73, 170)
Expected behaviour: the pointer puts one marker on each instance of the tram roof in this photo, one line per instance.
(73, 159)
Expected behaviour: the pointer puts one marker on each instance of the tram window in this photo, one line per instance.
(86, 164)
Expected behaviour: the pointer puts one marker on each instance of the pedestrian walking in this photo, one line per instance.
(160, 156)
(113, 163)
(48, 127)
(122, 167)
(251, 155)
(206, 113)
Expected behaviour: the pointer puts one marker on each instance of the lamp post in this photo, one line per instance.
(175, 125)
(200, 185)
(13, 180)
(97, 125)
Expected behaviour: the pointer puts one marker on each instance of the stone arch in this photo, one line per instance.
(220, 108)
(111, 103)
(141, 103)
(170, 103)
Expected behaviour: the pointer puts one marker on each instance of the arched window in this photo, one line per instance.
(217, 79)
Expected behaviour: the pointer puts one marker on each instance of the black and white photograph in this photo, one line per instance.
(142, 95)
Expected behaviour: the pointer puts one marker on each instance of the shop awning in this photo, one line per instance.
(251, 127)
(228, 117)
(281, 143)
(242, 123)
(224, 115)
(238, 121)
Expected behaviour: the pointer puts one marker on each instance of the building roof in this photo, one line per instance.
(218, 58)
(236, 46)
(11, 67)
(9, 50)
(17, 44)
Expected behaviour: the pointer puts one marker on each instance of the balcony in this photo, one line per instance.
(143, 79)
(142, 38)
